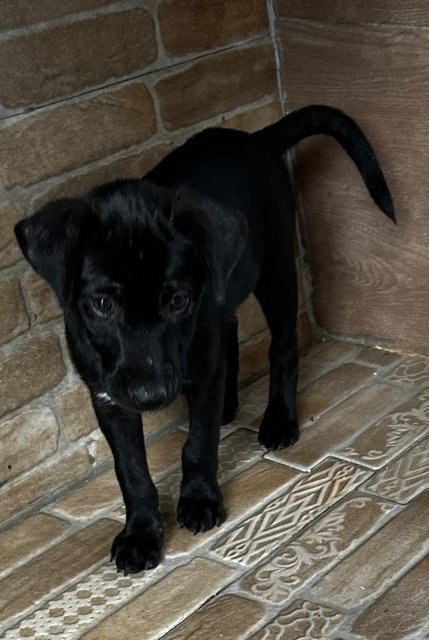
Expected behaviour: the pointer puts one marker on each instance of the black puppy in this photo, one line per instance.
(150, 273)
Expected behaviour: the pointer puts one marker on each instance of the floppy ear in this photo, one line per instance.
(218, 233)
(47, 238)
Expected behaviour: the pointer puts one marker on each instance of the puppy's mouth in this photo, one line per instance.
(134, 403)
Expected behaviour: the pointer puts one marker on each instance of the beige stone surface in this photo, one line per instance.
(301, 620)
(75, 411)
(379, 357)
(188, 25)
(391, 434)
(42, 481)
(13, 317)
(18, 13)
(330, 388)
(259, 535)
(9, 249)
(254, 118)
(132, 165)
(241, 494)
(251, 320)
(389, 619)
(318, 536)
(26, 440)
(94, 496)
(121, 43)
(166, 603)
(319, 548)
(228, 617)
(334, 428)
(97, 126)
(378, 561)
(328, 352)
(216, 84)
(103, 491)
(28, 370)
(29, 537)
(44, 304)
(405, 478)
(254, 358)
(55, 568)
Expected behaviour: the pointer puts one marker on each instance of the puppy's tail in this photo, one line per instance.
(318, 119)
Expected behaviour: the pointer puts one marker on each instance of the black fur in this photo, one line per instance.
(150, 273)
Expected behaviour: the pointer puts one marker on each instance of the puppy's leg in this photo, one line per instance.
(200, 505)
(138, 546)
(277, 294)
(230, 403)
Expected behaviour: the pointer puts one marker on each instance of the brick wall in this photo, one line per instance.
(90, 91)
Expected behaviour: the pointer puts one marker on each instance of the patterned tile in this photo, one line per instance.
(411, 371)
(303, 620)
(80, 607)
(404, 478)
(332, 430)
(56, 568)
(242, 495)
(392, 434)
(165, 603)
(259, 535)
(389, 619)
(373, 566)
(318, 549)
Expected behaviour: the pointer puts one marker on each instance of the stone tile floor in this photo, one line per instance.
(323, 540)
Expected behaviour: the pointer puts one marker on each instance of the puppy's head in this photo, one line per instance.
(130, 265)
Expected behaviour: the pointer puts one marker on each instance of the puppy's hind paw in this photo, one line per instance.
(134, 552)
(200, 514)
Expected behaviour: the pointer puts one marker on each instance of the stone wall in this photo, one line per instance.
(90, 91)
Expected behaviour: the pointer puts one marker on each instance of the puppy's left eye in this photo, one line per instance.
(102, 305)
(179, 302)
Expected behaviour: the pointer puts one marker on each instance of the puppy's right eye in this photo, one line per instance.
(101, 305)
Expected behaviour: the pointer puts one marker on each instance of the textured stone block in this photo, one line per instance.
(26, 440)
(216, 84)
(9, 249)
(29, 370)
(97, 126)
(76, 412)
(56, 567)
(134, 165)
(42, 481)
(44, 304)
(165, 603)
(19, 13)
(401, 612)
(29, 537)
(301, 620)
(65, 59)
(257, 537)
(192, 25)
(228, 617)
(13, 317)
(367, 570)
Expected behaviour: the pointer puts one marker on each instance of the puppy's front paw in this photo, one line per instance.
(277, 430)
(134, 552)
(200, 514)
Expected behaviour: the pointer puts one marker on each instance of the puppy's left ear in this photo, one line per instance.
(218, 233)
(47, 239)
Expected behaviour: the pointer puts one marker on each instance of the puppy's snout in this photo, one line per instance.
(150, 394)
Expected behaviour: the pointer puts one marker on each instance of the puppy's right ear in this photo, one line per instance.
(48, 237)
